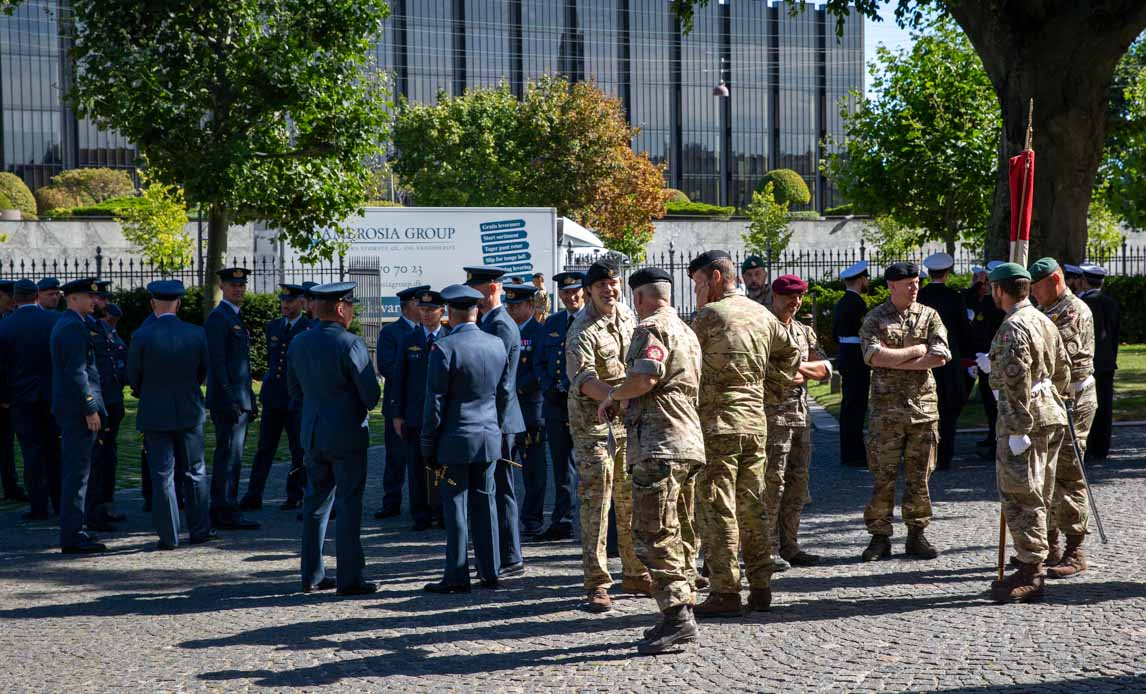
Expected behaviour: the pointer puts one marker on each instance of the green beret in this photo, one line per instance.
(750, 262)
(1009, 271)
(1043, 267)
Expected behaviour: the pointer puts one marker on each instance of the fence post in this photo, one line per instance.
(863, 250)
(99, 263)
(1124, 273)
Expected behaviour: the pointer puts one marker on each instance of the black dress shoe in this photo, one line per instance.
(238, 523)
(364, 588)
(490, 583)
(555, 533)
(85, 547)
(209, 537)
(327, 583)
(250, 503)
(101, 524)
(16, 494)
(35, 516)
(511, 570)
(420, 525)
(291, 504)
(162, 546)
(115, 517)
(389, 512)
(443, 588)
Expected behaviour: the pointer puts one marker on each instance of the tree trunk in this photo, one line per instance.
(1062, 54)
(217, 227)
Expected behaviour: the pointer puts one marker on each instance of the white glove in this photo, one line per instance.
(983, 361)
(1018, 444)
(973, 371)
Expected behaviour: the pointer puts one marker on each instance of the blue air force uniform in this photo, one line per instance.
(847, 318)
(530, 445)
(166, 366)
(498, 323)
(1107, 334)
(389, 337)
(12, 490)
(467, 395)
(279, 412)
(329, 371)
(26, 387)
(105, 458)
(75, 396)
(409, 396)
(231, 401)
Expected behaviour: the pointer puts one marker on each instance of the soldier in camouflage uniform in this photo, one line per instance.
(902, 340)
(748, 358)
(755, 277)
(789, 433)
(666, 449)
(1069, 511)
(540, 299)
(595, 348)
(1030, 371)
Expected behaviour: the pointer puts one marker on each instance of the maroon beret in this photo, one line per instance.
(789, 284)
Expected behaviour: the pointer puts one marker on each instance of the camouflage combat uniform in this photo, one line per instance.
(1030, 370)
(541, 305)
(666, 449)
(747, 358)
(595, 347)
(790, 450)
(762, 296)
(903, 411)
(1069, 510)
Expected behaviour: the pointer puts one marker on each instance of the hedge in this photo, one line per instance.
(787, 186)
(672, 195)
(112, 207)
(697, 209)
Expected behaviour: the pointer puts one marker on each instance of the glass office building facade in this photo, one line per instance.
(786, 75)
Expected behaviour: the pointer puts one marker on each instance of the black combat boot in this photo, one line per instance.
(677, 627)
(918, 546)
(878, 548)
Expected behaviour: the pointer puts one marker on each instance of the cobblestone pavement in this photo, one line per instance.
(229, 616)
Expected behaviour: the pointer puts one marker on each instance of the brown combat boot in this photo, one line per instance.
(759, 599)
(1073, 560)
(918, 546)
(1025, 585)
(638, 585)
(599, 600)
(718, 605)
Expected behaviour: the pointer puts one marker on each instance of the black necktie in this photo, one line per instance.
(430, 341)
(570, 323)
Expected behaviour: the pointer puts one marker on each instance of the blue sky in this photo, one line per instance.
(885, 32)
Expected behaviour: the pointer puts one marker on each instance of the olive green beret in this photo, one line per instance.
(1009, 271)
(1043, 267)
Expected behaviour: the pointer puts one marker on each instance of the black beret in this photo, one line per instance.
(647, 276)
(901, 271)
(705, 259)
(605, 268)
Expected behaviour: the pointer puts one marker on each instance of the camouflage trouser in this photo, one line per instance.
(686, 510)
(604, 482)
(1070, 512)
(658, 529)
(1026, 483)
(889, 442)
(732, 504)
(786, 484)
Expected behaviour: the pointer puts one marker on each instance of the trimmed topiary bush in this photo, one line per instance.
(18, 195)
(839, 211)
(787, 186)
(51, 200)
(672, 195)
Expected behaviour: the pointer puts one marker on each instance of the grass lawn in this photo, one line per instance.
(130, 441)
(1129, 392)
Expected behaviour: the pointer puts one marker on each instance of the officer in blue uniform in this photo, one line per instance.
(280, 413)
(549, 363)
(48, 297)
(11, 486)
(105, 458)
(77, 405)
(329, 371)
(409, 391)
(495, 321)
(391, 334)
(26, 393)
(1107, 335)
(530, 445)
(468, 389)
(847, 318)
(229, 397)
(166, 366)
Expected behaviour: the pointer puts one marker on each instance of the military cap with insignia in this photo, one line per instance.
(411, 292)
(335, 291)
(519, 293)
(480, 274)
(306, 287)
(603, 269)
(104, 288)
(234, 275)
(1042, 268)
(20, 288)
(431, 299)
(292, 291)
(87, 285)
(114, 311)
(854, 270)
(705, 259)
(938, 262)
(900, 271)
(48, 283)
(569, 280)
(461, 296)
(789, 284)
(648, 275)
(1009, 271)
(751, 262)
(166, 290)
(1093, 272)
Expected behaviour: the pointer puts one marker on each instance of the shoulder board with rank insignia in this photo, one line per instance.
(554, 334)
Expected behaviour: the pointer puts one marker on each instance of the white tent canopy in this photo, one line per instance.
(572, 233)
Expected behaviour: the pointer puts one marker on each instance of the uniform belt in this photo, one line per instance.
(848, 340)
(1078, 386)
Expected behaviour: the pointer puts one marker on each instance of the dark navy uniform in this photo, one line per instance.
(498, 323)
(75, 396)
(231, 401)
(26, 387)
(467, 394)
(394, 474)
(12, 491)
(951, 378)
(409, 393)
(985, 322)
(1107, 333)
(279, 413)
(847, 318)
(166, 366)
(105, 458)
(553, 381)
(530, 444)
(330, 372)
